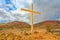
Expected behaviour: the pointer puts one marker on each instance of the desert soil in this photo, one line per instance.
(16, 34)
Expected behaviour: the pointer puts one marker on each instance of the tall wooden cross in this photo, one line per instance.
(32, 15)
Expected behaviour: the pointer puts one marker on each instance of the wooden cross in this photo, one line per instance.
(32, 15)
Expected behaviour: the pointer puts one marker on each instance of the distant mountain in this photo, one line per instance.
(16, 24)
(49, 23)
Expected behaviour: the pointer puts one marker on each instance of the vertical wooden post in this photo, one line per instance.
(32, 19)
(32, 16)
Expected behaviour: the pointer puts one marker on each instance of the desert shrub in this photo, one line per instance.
(36, 32)
(1, 29)
(26, 34)
(48, 28)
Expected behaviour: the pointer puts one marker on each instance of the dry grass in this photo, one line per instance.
(27, 36)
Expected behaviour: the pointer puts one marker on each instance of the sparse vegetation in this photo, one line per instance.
(27, 36)
(18, 31)
(0, 28)
(48, 28)
(36, 32)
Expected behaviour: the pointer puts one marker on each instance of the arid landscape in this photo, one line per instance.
(47, 30)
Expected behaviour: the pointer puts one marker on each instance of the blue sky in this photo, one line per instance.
(50, 9)
(10, 10)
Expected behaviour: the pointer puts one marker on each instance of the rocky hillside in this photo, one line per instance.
(14, 24)
(54, 24)
(17, 24)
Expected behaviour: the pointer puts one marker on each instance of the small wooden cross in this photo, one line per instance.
(32, 16)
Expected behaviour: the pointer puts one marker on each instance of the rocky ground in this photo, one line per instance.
(23, 35)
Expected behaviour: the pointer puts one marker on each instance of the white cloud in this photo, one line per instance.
(5, 13)
(49, 9)
(59, 19)
(29, 2)
(23, 16)
(11, 14)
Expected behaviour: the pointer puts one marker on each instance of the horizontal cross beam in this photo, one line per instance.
(30, 11)
(32, 15)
